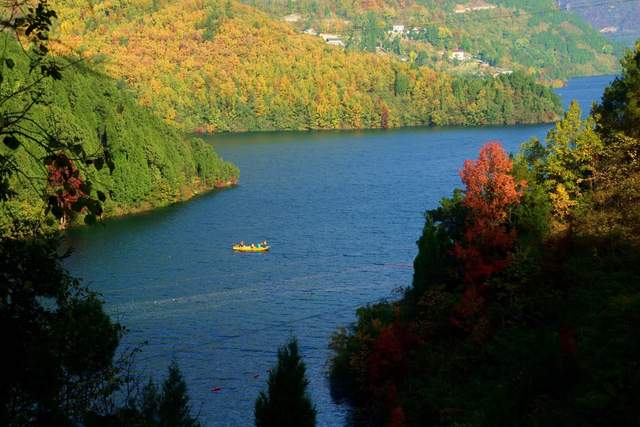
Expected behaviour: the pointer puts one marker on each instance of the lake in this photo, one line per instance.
(342, 211)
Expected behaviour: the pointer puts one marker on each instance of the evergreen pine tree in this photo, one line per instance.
(174, 408)
(149, 404)
(619, 111)
(287, 403)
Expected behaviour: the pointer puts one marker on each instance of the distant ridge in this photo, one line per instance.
(618, 19)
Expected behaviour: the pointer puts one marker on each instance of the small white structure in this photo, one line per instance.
(459, 55)
(311, 32)
(294, 17)
(332, 39)
(608, 30)
(459, 9)
(473, 7)
(398, 29)
(502, 72)
(336, 42)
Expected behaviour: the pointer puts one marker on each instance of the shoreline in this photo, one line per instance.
(202, 134)
(367, 129)
(147, 207)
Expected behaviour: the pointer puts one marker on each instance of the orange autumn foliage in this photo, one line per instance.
(218, 65)
(491, 192)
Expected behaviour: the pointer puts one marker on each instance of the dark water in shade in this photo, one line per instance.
(342, 211)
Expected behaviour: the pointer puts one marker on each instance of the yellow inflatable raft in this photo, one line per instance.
(251, 248)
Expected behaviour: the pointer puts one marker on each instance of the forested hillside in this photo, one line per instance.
(213, 65)
(532, 36)
(525, 295)
(616, 19)
(156, 164)
(69, 137)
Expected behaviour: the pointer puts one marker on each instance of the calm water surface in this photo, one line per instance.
(342, 211)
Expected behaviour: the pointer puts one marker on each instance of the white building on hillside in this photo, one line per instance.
(332, 39)
(606, 30)
(294, 17)
(459, 55)
(398, 30)
(473, 7)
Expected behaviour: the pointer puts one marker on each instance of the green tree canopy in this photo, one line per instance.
(619, 110)
(286, 403)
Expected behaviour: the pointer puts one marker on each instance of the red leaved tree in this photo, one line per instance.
(67, 185)
(490, 195)
(384, 116)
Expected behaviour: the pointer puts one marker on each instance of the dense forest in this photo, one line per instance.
(209, 65)
(524, 303)
(62, 363)
(531, 36)
(156, 164)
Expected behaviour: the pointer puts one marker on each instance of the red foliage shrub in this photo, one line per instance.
(568, 341)
(471, 303)
(398, 418)
(64, 178)
(384, 116)
(387, 367)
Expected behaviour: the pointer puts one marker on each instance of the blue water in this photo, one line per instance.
(342, 211)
